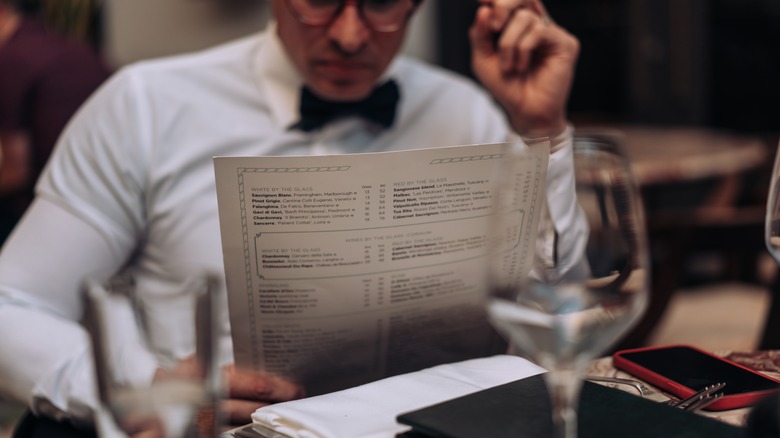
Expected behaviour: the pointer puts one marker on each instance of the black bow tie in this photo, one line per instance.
(378, 107)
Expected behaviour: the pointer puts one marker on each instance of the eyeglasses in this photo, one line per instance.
(380, 15)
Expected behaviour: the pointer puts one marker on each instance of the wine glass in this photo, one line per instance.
(772, 222)
(154, 355)
(563, 320)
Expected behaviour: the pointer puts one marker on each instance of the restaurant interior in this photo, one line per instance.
(688, 86)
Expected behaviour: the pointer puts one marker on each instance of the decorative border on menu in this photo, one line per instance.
(244, 232)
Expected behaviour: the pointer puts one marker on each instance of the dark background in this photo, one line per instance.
(701, 64)
(710, 63)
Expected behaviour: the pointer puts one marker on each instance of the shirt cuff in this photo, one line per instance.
(563, 229)
(557, 142)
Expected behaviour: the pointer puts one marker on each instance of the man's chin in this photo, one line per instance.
(340, 92)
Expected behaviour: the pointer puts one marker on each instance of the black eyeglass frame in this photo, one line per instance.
(359, 3)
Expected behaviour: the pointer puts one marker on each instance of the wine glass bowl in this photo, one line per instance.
(565, 309)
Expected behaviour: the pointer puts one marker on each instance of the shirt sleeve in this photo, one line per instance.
(88, 219)
(560, 246)
(46, 361)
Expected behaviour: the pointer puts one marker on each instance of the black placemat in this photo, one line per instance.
(522, 409)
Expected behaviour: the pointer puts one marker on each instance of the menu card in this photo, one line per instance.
(344, 269)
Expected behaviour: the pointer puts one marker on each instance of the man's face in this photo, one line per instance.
(342, 60)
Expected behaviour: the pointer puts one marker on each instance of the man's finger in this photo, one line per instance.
(527, 47)
(510, 42)
(261, 387)
(240, 411)
(538, 7)
(481, 34)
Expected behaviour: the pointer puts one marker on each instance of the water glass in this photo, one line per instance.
(154, 355)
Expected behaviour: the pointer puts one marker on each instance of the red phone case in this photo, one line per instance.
(729, 401)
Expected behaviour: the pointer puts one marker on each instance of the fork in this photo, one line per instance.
(700, 400)
(643, 390)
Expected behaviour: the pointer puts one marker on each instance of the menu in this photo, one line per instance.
(344, 269)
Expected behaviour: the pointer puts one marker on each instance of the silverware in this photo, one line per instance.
(704, 402)
(702, 398)
(643, 390)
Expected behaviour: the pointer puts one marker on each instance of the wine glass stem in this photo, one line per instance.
(564, 387)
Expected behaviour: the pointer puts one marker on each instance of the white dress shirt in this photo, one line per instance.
(131, 182)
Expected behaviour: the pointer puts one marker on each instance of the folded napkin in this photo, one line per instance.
(370, 410)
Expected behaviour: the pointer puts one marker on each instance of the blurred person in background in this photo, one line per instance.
(44, 79)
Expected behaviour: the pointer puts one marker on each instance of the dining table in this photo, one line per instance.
(766, 362)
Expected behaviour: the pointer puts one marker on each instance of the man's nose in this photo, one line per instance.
(349, 30)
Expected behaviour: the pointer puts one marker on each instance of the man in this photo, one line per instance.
(44, 78)
(131, 183)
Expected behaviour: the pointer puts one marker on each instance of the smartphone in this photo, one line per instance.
(682, 370)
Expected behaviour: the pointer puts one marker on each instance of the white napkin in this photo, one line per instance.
(369, 410)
